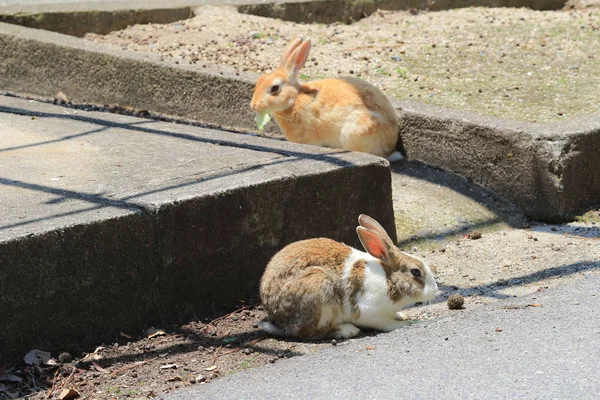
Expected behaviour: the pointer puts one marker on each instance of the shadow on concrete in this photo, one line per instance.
(102, 201)
(504, 211)
(63, 139)
(494, 289)
(327, 157)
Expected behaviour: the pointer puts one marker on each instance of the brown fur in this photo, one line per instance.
(346, 113)
(304, 288)
(302, 279)
(355, 283)
(399, 278)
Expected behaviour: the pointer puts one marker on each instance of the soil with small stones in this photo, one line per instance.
(538, 66)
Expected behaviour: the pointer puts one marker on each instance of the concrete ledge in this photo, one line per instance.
(330, 11)
(43, 63)
(102, 17)
(550, 171)
(100, 22)
(116, 223)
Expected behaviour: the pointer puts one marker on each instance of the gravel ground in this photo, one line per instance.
(514, 63)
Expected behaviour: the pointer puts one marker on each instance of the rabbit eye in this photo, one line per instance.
(275, 88)
(416, 272)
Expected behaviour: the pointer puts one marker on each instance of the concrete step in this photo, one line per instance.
(551, 171)
(110, 222)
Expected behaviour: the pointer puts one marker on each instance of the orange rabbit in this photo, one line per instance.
(344, 113)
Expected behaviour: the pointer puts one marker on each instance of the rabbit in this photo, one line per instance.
(345, 113)
(320, 288)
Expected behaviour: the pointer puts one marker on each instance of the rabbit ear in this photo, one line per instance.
(370, 223)
(373, 243)
(297, 59)
(297, 41)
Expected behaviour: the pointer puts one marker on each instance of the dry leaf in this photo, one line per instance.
(153, 332)
(211, 368)
(91, 357)
(534, 305)
(126, 336)
(68, 394)
(99, 368)
(174, 378)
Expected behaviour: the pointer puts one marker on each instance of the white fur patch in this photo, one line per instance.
(375, 301)
(395, 157)
(271, 328)
(326, 317)
(346, 331)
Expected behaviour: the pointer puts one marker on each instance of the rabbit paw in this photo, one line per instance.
(400, 316)
(345, 331)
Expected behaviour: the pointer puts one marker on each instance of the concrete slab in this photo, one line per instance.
(551, 171)
(111, 222)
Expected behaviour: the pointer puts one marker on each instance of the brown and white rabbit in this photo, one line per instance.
(344, 113)
(320, 288)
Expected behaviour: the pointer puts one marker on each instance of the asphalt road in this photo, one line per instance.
(508, 350)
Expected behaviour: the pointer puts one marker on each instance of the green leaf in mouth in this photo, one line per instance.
(262, 119)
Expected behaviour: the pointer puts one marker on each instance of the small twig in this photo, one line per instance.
(66, 381)
(231, 313)
(230, 352)
(570, 236)
(252, 343)
(127, 367)
(216, 355)
(99, 368)
(53, 383)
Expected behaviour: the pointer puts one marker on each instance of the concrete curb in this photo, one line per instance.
(330, 11)
(91, 16)
(182, 232)
(551, 171)
(101, 22)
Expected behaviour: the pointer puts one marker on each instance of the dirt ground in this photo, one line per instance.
(480, 245)
(515, 63)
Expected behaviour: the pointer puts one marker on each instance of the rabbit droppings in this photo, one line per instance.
(320, 288)
(344, 113)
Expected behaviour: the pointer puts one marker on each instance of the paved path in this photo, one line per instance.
(505, 351)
